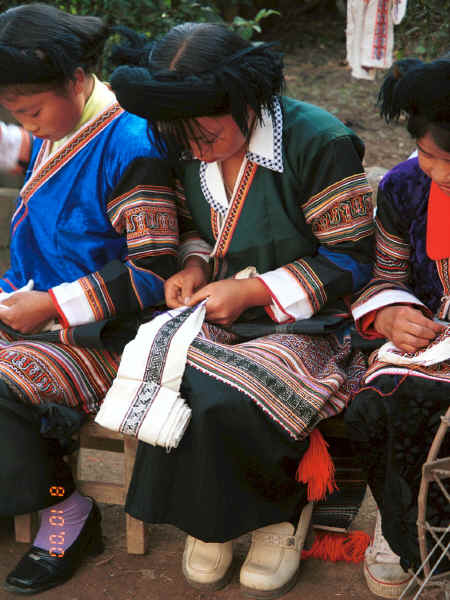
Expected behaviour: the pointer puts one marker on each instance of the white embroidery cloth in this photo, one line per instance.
(436, 352)
(144, 399)
(370, 34)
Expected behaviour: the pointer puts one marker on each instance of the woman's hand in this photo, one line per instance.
(406, 327)
(179, 288)
(27, 312)
(228, 298)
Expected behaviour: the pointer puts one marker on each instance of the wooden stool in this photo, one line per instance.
(94, 437)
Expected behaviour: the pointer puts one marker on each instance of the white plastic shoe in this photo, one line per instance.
(384, 575)
(207, 566)
(270, 569)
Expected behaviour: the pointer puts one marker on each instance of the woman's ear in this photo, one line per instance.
(78, 82)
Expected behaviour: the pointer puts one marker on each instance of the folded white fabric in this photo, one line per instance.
(436, 352)
(144, 399)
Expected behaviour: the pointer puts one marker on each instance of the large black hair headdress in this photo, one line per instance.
(172, 92)
(243, 79)
(417, 88)
(41, 44)
(19, 66)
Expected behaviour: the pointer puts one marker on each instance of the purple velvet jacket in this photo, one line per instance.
(402, 206)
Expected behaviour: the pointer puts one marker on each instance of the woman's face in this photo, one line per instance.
(226, 139)
(49, 115)
(435, 162)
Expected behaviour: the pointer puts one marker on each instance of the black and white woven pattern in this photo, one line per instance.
(276, 164)
(217, 206)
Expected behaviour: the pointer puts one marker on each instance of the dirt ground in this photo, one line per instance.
(116, 575)
(315, 72)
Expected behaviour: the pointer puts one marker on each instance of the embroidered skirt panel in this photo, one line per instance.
(40, 372)
(253, 404)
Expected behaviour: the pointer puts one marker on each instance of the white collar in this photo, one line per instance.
(265, 149)
(265, 146)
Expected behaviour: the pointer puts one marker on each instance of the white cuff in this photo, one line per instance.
(73, 304)
(383, 299)
(196, 247)
(10, 144)
(290, 300)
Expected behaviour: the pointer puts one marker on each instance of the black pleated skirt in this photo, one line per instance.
(233, 472)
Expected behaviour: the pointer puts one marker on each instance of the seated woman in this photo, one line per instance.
(394, 418)
(276, 221)
(97, 239)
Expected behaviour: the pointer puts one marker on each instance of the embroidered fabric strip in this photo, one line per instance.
(147, 215)
(310, 282)
(144, 399)
(436, 372)
(436, 352)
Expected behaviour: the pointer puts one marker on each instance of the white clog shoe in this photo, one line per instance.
(270, 569)
(207, 566)
(384, 575)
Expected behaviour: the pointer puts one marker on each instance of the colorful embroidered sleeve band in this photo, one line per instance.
(400, 222)
(340, 216)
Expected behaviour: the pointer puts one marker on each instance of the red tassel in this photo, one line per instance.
(317, 468)
(349, 547)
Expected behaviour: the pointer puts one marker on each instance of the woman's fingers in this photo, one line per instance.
(425, 331)
(172, 293)
(406, 327)
(410, 343)
(180, 288)
(198, 296)
(187, 291)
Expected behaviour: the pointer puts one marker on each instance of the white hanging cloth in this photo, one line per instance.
(370, 34)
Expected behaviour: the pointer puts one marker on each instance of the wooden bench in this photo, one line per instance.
(94, 437)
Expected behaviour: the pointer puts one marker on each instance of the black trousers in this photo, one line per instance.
(392, 433)
(33, 474)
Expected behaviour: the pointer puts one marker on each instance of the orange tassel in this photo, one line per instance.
(349, 547)
(317, 468)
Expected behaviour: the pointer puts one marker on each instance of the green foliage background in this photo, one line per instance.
(425, 31)
(152, 16)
